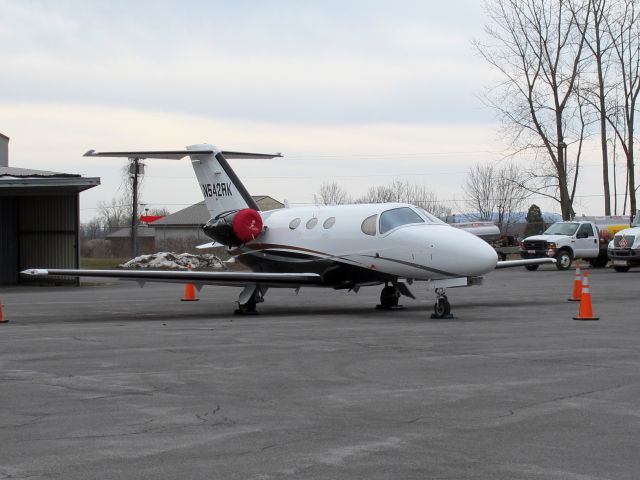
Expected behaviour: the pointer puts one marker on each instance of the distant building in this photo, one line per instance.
(179, 231)
(4, 150)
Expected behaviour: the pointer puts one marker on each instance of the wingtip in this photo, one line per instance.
(35, 271)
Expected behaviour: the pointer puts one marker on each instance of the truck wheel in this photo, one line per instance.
(621, 269)
(599, 262)
(531, 268)
(563, 260)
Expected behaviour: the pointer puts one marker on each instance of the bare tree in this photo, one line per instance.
(623, 28)
(595, 92)
(479, 190)
(92, 229)
(537, 48)
(331, 193)
(114, 214)
(404, 192)
(510, 195)
(492, 191)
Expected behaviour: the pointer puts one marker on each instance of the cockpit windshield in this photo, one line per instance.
(430, 217)
(398, 216)
(562, 229)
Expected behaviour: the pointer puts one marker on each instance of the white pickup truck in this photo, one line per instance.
(566, 241)
(624, 249)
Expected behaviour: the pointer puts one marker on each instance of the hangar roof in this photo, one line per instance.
(198, 214)
(25, 181)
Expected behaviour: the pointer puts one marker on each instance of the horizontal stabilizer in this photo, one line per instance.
(178, 154)
(209, 245)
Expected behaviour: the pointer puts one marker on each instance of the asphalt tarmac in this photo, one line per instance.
(112, 381)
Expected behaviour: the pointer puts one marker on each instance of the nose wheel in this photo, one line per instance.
(442, 307)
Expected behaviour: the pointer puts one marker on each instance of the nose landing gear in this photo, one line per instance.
(442, 307)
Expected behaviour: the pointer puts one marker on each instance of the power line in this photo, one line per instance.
(439, 200)
(366, 175)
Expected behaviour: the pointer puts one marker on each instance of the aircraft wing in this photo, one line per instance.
(525, 262)
(232, 279)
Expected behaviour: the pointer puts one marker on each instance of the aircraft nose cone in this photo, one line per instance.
(483, 257)
(472, 255)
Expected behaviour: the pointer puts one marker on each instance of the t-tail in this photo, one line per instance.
(222, 189)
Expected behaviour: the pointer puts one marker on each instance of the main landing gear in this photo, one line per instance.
(390, 295)
(389, 298)
(250, 297)
(442, 307)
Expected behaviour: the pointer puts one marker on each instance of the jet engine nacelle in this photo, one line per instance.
(235, 227)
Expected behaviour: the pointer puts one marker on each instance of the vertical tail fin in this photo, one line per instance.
(222, 189)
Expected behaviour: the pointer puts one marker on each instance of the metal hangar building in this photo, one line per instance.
(39, 218)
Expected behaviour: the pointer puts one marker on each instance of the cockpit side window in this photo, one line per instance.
(398, 216)
(369, 225)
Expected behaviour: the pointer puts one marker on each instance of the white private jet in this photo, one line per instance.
(339, 247)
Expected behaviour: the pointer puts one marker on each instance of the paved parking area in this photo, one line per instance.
(113, 381)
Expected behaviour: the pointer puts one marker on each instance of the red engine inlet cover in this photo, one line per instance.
(247, 224)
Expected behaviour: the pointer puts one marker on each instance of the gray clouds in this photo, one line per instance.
(303, 62)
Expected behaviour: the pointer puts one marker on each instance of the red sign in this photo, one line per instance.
(150, 218)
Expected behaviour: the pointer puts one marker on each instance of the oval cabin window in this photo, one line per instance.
(295, 223)
(312, 223)
(329, 222)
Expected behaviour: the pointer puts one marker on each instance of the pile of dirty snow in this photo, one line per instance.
(176, 261)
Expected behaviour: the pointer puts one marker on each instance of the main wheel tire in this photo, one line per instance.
(442, 308)
(563, 260)
(621, 269)
(531, 268)
(389, 297)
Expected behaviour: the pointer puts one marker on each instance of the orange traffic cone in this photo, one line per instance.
(2, 319)
(577, 285)
(189, 292)
(585, 312)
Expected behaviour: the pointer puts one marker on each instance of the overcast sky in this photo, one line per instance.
(358, 92)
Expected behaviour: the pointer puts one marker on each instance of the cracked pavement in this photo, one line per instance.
(112, 381)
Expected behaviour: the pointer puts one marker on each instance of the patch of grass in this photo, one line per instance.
(101, 263)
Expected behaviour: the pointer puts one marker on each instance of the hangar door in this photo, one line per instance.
(47, 229)
(38, 231)
(8, 240)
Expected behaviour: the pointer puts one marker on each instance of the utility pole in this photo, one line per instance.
(134, 171)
